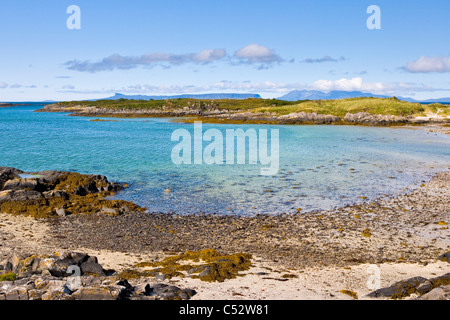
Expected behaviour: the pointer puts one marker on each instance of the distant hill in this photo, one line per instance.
(333, 95)
(440, 100)
(321, 95)
(237, 96)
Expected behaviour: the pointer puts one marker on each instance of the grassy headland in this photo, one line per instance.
(343, 111)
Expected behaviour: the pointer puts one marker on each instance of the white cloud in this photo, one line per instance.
(429, 64)
(3, 85)
(209, 55)
(255, 53)
(354, 84)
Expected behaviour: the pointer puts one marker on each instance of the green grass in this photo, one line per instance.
(381, 106)
(8, 277)
(174, 104)
(340, 107)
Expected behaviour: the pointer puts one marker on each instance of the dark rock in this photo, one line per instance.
(59, 268)
(197, 270)
(441, 293)
(79, 258)
(91, 267)
(24, 184)
(7, 173)
(92, 259)
(441, 280)
(165, 292)
(424, 287)
(49, 177)
(8, 267)
(124, 283)
(56, 193)
(399, 289)
(445, 257)
(20, 195)
(206, 272)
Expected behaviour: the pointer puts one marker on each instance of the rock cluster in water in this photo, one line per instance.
(56, 193)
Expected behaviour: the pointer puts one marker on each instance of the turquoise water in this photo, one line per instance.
(315, 162)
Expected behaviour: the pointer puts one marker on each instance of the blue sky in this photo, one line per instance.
(199, 46)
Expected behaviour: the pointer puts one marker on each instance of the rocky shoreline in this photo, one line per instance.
(407, 229)
(239, 116)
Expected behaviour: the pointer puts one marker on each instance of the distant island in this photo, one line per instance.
(237, 96)
(295, 95)
(361, 111)
(12, 104)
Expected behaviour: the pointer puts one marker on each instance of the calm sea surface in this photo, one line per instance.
(315, 162)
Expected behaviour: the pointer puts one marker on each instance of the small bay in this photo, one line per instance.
(321, 167)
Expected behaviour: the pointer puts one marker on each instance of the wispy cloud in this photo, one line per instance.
(253, 54)
(323, 59)
(17, 86)
(424, 64)
(120, 62)
(4, 85)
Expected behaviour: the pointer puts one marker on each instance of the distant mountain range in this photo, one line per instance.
(333, 95)
(291, 96)
(322, 95)
(238, 96)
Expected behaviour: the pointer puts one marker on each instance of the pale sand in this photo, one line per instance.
(261, 282)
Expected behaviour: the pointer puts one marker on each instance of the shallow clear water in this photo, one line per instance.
(315, 162)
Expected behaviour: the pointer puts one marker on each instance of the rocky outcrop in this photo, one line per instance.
(309, 118)
(374, 119)
(441, 293)
(56, 193)
(75, 276)
(418, 286)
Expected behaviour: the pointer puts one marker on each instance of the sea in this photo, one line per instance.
(320, 167)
